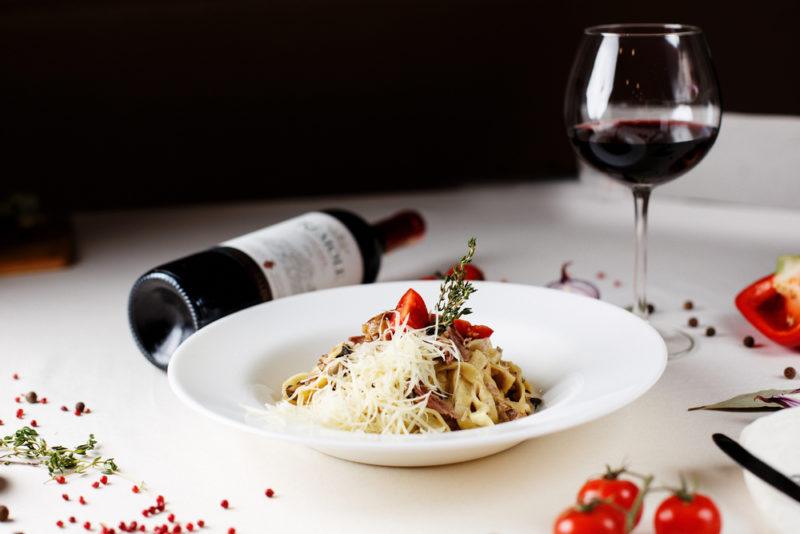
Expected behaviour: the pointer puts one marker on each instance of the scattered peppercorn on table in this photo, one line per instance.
(69, 363)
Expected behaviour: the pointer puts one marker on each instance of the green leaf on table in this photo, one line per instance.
(764, 400)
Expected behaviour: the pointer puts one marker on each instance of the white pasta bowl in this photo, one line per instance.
(588, 356)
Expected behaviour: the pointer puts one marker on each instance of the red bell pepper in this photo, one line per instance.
(770, 312)
(474, 331)
(412, 308)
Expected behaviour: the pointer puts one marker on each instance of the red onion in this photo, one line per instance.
(574, 285)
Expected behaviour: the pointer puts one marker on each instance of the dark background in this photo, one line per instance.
(117, 103)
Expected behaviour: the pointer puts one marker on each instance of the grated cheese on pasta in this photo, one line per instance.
(372, 389)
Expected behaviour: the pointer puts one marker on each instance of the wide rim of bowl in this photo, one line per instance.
(511, 431)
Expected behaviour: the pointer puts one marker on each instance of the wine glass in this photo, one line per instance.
(643, 106)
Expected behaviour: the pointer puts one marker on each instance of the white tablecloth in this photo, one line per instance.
(66, 334)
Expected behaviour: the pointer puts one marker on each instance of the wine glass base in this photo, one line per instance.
(679, 343)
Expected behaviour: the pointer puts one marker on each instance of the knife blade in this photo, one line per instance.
(762, 470)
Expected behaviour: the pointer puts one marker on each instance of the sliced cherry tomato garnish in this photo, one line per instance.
(595, 518)
(474, 331)
(462, 327)
(413, 309)
(688, 514)
(613, 489)
(480, 331)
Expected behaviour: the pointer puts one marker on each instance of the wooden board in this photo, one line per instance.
(48, 247)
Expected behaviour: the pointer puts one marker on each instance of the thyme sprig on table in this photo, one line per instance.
(27, 447)
(455, 291)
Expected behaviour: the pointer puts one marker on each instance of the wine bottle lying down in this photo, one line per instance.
(316, 250)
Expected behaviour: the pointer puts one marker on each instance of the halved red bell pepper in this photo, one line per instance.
(474, 331)
(769, 312)
(412, 308)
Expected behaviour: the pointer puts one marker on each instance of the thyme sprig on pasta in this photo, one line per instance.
(27, 447)
(455, 291)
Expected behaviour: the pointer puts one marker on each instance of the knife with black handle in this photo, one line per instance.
(764, 471)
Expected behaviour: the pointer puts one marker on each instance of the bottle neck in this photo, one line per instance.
(400, 229)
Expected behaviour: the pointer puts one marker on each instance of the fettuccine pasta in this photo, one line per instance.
(395, 379)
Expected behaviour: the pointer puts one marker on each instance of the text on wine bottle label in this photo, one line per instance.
(306, 253)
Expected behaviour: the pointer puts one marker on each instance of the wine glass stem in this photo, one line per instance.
(641, 199)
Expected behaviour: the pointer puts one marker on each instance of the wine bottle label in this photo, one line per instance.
(312, 251)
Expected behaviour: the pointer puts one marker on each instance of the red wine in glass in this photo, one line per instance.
(643, 151)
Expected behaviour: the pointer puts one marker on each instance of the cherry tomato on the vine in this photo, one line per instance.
(688, 514)
(595, 518)
(610, 488)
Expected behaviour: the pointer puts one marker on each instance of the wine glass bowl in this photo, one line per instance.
(642, 106)
(642, 103)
